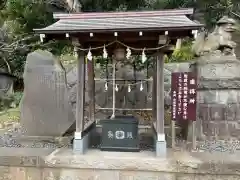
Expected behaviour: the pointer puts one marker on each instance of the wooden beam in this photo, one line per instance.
(130, 36)
(160, 97)
(136, 44)
(122, 36)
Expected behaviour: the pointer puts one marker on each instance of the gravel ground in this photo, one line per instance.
(9, 137)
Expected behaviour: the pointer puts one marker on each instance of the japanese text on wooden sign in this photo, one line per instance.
(184, 95)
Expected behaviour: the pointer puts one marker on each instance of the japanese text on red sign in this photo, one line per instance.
(184, 96)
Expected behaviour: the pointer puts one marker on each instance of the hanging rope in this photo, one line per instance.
(128, 84)
(116, 41)
(114, 89)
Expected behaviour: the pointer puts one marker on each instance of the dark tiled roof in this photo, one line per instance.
(124, 14)
(122, 21)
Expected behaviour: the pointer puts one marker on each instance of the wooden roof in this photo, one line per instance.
(163, 20)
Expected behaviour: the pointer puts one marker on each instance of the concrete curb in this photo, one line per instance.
(95, 159)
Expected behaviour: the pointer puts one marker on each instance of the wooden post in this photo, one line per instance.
(160, 97)
(91, 91)
(173, 135)
(194, 140)
(154, 93)
(161, 146)
(80, 93)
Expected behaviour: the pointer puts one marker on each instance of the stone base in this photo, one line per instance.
(81, 145)
(39, 164)
(161, 148)
(81, 140)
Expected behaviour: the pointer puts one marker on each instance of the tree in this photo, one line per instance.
(183, 53)
(20, 17)
(213, 10)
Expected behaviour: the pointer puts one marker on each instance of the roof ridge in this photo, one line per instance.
(166, 12)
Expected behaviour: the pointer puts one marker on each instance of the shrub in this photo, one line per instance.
(6, 101)
(17, 98)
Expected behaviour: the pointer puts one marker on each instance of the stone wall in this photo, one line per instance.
(65, 164)
(219, 98)
(27, 173)
(219, 112)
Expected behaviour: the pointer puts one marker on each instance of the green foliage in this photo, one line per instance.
(213, 10)
(17, 96)
(6, 101)
(10, 115)
(27, 14)
(183, 54)
(172, 4)
(21, 16)
(112, 5)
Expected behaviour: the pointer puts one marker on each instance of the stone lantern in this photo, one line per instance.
(218, 83)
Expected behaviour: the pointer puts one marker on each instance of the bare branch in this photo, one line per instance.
(8, 65)
(19, 47)
(15, 43)
(61, 4)
(238, 15)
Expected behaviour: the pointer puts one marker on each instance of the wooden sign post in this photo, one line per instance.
(184, 97)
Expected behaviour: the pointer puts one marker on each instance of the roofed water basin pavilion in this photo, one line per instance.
(122, 34)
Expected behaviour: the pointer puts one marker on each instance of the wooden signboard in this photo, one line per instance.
(184, 96)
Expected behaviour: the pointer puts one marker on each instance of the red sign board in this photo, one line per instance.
(184, 96)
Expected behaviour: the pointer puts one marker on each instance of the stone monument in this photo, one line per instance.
(45, 107)
(219, 82)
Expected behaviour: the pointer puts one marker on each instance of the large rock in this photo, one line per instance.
(45, 109)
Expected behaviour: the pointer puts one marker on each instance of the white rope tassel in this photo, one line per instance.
(129, 53)
(141, 87)
(144, 58)
(106, 86)
(129, 88)
(195, 33)
(42, 36)
(89, 55)
(116, 88)
(105, 54)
